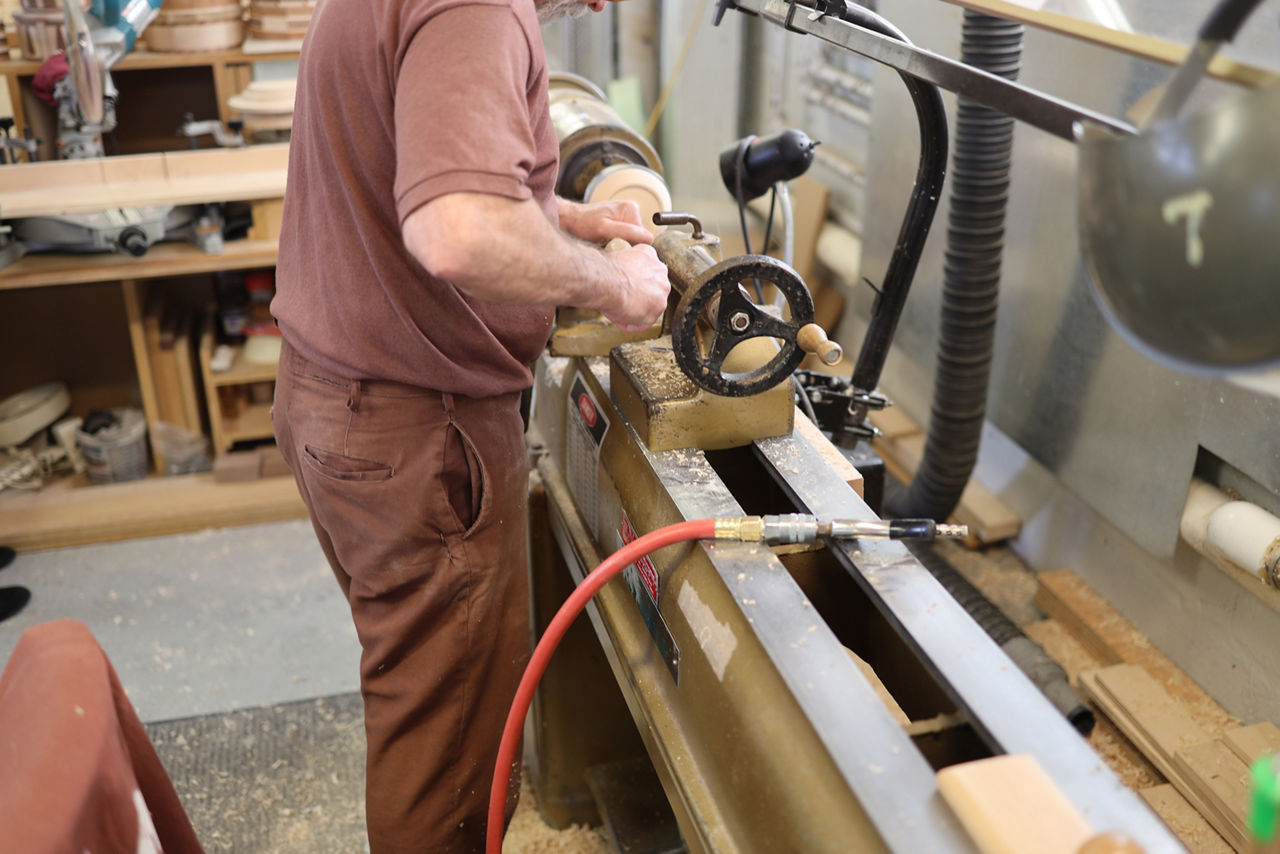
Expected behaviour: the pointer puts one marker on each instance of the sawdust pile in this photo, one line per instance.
(529, 834)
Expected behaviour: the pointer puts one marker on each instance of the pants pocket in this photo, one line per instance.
(338, 466)
(464, 479)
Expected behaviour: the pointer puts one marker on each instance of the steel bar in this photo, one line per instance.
(1050, 114)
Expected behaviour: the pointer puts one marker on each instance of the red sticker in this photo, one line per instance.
(588, 410)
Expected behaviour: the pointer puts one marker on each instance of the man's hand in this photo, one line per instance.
(602, 221)
(506, 251)
(643, 299)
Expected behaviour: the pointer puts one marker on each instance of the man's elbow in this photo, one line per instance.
(440, 242)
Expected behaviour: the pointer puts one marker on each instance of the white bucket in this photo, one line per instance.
(118, 453)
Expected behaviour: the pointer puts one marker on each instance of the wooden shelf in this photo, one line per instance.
(73, 513)
(146, 59)
(162, 260)
(253, 422)
(242, 372)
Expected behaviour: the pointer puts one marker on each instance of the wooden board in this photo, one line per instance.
(882, 692)
(1222, 781)
(1180, 817)
(1009, 805)
(168, 178)
(163, 260)
(902, 448)
(164, 366)
(1251, 742)
(185, 362)
(1135, 44)
(267, 215)
(1066, 598)
(71, 513)
(829, 452)
(1203, 769)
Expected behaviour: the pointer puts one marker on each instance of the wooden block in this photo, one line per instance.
(273, 464)
(1065, 597)
(829, 452)
(809, 211)
(267, 215)
(1009, 805)
(1181, 818)
(237, 466)
(882, 692)
(1251, 742)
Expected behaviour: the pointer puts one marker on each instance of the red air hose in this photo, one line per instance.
(701, 529)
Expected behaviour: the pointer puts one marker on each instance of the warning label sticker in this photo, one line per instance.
(647, 575)
(585, 429)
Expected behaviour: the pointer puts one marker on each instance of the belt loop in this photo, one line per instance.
(447, 400)
(353, 396)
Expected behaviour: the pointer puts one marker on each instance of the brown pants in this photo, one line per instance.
(419, 501)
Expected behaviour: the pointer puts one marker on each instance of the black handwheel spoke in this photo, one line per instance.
(720, 348)
(739, 319)
(773, 327)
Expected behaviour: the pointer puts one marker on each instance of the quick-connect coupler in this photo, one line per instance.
(792, 528)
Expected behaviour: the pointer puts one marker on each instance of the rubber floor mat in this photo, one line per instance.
(282, 779)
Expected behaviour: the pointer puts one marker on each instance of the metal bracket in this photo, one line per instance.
(721, 7)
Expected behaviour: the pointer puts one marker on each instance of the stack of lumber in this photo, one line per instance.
(1203, 751)
(1212, 774)
(192, 26)
(280, 19)
(167, 328)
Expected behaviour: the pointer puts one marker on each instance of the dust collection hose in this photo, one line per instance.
(971, 279)
(789, 528)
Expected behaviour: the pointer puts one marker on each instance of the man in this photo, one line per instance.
(420, 260)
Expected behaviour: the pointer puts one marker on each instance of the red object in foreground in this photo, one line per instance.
(702, 529)
(77, 771)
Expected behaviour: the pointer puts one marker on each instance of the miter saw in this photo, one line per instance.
(78, 84)
(85, 96)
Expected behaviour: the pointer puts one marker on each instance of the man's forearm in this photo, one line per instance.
(505, 251)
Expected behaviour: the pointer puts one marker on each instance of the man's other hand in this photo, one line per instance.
(600, 222)
(642, 300)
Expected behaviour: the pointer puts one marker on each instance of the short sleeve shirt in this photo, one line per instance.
(400, 102)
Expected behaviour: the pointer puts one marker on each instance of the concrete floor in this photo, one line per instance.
(224, 640)
(201, 623)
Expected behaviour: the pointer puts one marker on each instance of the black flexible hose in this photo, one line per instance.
(971, 279)
(1031, 659)
(930, 174)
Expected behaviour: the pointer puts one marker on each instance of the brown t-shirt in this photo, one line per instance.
(400, 102)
